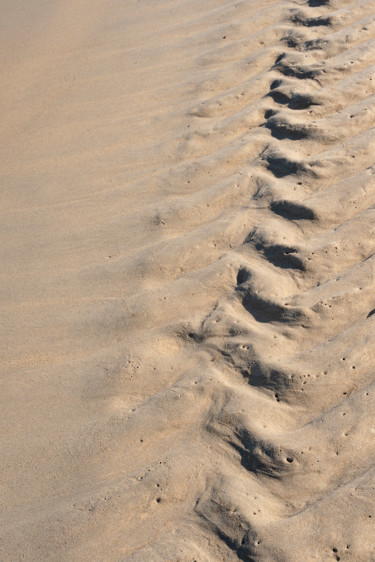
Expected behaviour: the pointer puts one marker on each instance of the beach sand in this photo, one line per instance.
(187, 280)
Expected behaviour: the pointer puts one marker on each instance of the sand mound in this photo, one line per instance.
(188, 281)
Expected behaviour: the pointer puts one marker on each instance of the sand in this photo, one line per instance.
(187, 281)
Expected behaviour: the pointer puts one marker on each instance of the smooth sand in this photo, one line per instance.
(187, 280)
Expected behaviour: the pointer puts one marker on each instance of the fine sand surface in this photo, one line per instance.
(187, 280)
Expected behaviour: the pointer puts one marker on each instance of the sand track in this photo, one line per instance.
(224, 352)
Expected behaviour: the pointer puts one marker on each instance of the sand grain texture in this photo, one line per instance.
(187, 284)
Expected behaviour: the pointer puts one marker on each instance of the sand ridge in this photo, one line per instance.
(212, 362)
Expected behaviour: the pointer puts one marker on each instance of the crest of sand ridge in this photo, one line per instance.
(276, 431)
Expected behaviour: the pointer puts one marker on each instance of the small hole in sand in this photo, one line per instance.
(289, 459)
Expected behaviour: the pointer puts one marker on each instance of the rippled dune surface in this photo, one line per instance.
(187, 283)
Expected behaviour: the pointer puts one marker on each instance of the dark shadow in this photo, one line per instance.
(279, 97)
(317, 3)
(243, 275)
(371, 313)
(265, 463)
(298, 72)
(297, 101)
(281, 166)
(282, 131)
(269, 113)
(300, 101)
(195, 337)
(292, 211)
(315, 44)
(242, 552)
(291, 41)
(266, 311)
(275, 84)
(260, 309)
(284, 257)
(312, 22)
(272, 379)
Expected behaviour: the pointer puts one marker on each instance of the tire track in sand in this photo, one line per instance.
(302, 337)
(281, 468)
(255, 440)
